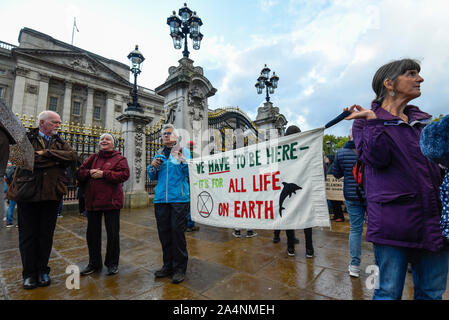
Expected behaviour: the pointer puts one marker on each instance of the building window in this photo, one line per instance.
(97, 113)
(53, 104)
(2, 92)
(76, 108)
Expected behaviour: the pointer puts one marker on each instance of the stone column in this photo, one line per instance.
(67, 106)
(133, 132)
(89, 107)
(186, 91)
(270, 122)
(43, 94)
(110, 110)
(19, 90)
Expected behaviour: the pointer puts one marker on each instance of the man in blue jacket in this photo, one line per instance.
(171, 203)
(356, 205)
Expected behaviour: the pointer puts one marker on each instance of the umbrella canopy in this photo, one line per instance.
(21, 153)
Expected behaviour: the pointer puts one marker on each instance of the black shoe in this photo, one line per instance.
(162, 273)
(43, 280)
(29, 283)
(112, 270)
(276, 239)
(291, 252)
(237, 233)
(309, 253)
(251, 233)
(178, 277)
(89, 270)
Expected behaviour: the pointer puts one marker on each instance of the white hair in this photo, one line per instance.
(170, 126)
(108, 134)
(44, 115)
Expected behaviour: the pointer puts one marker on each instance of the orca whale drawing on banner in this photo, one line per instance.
(288, 190)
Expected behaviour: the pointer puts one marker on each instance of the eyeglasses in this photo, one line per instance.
(168, 133)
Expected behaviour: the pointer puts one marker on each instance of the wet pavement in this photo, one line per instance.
(221, 267)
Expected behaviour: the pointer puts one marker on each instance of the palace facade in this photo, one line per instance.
(43, 73)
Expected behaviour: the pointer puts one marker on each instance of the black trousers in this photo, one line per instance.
(37, 222)
(171, 221)
(81, 204)
(291, 237)
(336, 209)
(93, 236)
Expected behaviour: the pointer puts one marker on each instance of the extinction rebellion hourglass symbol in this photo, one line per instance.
(205, 204)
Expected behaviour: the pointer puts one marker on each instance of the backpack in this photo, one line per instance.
(358, 172)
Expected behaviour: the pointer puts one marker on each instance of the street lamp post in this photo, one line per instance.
(135, 59)
(264, 81)
(329, 147)
(187, 23)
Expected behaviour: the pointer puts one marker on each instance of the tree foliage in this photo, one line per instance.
(438, 118)
(335, 143)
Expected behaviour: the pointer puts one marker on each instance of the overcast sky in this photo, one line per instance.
(325, 52)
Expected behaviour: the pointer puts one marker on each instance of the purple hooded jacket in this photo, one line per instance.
(401, 184)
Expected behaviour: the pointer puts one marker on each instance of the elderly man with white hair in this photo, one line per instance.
(37, 195)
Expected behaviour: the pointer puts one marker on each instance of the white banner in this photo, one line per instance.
(277, 184)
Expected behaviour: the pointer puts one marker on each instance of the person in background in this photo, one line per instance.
(355, 202)
(335, 205)
(9, 174)
(401, 186)
(103, 173)
(291, 239)
(5, 140)
(171, 203)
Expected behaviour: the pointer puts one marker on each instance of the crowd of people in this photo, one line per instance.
(404, 198)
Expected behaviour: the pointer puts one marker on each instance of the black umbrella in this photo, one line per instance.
(21, 153)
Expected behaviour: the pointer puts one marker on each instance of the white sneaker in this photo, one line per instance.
(354, 271)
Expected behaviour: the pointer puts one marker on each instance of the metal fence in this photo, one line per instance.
(84, 140)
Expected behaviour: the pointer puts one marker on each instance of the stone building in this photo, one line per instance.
(45, 73)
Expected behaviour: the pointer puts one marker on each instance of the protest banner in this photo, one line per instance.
(334, 188)
(276, 184)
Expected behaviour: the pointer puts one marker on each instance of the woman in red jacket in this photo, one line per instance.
(103, 174)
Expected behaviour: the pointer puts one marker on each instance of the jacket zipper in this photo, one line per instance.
(166, 182)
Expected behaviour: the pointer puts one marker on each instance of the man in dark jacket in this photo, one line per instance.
(356, 205)
(38, 194)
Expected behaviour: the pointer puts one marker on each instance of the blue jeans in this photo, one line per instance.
(356, 212)
(10, 214)
(429, 272)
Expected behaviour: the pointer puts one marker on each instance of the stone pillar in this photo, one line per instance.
(110, 110)
(43, 94)
(89, 107)
(186, 91)
(67, 106)
(270, 122)
(19, 90)
(133, 132)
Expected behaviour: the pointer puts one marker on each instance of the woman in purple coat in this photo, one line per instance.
(401, 186)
